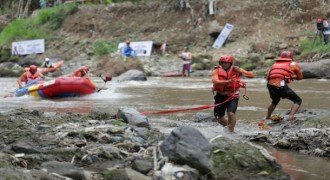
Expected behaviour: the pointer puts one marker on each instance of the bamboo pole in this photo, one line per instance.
(26, 9)
(18, 14)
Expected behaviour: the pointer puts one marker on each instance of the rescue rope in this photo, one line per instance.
(242, 84)
(188, 109)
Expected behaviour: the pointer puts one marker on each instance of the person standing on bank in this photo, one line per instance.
(226, 83)
(326, 31)
(186, 56)
(284, 71)
(127, 50)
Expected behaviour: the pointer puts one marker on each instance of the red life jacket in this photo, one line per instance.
(30, 76)
(281, 70)
(230, 88)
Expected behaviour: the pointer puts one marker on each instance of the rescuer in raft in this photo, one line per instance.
(30, 75)
(81, 72)
(226, 84)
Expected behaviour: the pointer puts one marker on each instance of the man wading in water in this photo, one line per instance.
(226, 83)
(280, 75)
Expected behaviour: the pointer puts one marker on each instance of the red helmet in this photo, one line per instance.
(319, 20)
(226, 58)
(86, 68)
(286, 56)
(33, 68)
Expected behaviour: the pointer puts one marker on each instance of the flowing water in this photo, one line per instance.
(159, 93)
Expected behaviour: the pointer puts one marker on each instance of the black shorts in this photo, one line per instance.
(285, 92)
(230, 106)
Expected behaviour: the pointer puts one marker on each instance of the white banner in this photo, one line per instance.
(141, 48)
(28, 47)
(223, 36)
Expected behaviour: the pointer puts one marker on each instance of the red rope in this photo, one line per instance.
(242, 84)
(188, 109)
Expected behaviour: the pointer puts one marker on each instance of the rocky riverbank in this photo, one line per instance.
(308, 134)
(49, 145)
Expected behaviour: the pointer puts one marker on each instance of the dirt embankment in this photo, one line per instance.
(257, 24)
(264, 28)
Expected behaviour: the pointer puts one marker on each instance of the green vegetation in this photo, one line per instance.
(249, 66)
(119, 1)
(316, 46)
(31, 28)
(102, 48)
(118, 122)
(81, 134)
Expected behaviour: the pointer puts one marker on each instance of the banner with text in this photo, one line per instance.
(28, 47)
(141, 48)
(223, 36)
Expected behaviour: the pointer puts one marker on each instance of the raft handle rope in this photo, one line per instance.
(107, 78)
(243, 85)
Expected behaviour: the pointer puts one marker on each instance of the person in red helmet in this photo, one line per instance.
(81, 72)
(226, 84)
(29, 75)
(283, 72)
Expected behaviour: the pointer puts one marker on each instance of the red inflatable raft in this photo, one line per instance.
(63, 87)
(172, 74)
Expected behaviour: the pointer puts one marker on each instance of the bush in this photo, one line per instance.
(24, 29)
(309, 46)
(119, 1)
(102, 48)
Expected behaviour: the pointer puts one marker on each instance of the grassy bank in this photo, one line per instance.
(40, 26)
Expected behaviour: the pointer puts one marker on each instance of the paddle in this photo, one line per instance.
(107, 78)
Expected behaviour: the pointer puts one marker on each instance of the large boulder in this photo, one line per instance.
(65, 169)
(188, 146)
(241, 160)
(318, 69)
(133, 117)
(133, 75)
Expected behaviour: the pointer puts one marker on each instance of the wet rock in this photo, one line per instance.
(186, 145)
(64, 169)
(317, 69)
(172, 171)
(142, 132)
(132, 75)
(133, 117)
(43, 127)
(142, 166)
(263, 173)
(124, 174)
(96, 114)
(5, 160)
(202, 117)
(313, 141)
(131, 136)
(239, 160)
(10, 173)
(284, 143)
(24, 148)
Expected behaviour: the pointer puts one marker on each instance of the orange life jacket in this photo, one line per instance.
(281, 70)
(80, 72)
(29, 76)
(231, 87)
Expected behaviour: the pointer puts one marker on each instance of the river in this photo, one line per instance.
(160, 93)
